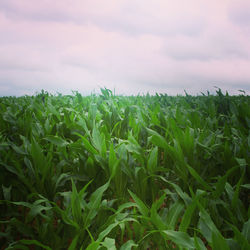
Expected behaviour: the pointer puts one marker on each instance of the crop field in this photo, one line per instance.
(125, 172)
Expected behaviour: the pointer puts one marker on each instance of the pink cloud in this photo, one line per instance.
(135, 46)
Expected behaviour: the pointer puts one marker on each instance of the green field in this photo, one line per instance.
(125, 172)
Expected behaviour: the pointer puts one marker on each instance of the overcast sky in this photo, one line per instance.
(134, 46)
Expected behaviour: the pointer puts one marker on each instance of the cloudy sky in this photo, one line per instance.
(132, 46)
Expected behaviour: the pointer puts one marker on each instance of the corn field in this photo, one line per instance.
(125, 172)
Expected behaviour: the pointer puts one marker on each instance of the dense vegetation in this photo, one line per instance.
(116, 172)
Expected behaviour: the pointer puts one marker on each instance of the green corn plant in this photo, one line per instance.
(67, 162)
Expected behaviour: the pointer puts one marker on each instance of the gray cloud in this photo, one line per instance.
(16, 12)
(140, 24)
(131, 21)
(135, 46)
(240, 14)
(207, 52)
(9, 87)
(12, 66)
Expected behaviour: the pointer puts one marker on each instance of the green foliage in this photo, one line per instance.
(124, 172)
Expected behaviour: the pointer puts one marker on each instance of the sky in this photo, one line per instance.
(130, 46)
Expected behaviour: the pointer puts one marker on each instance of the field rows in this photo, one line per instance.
(116, 172)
